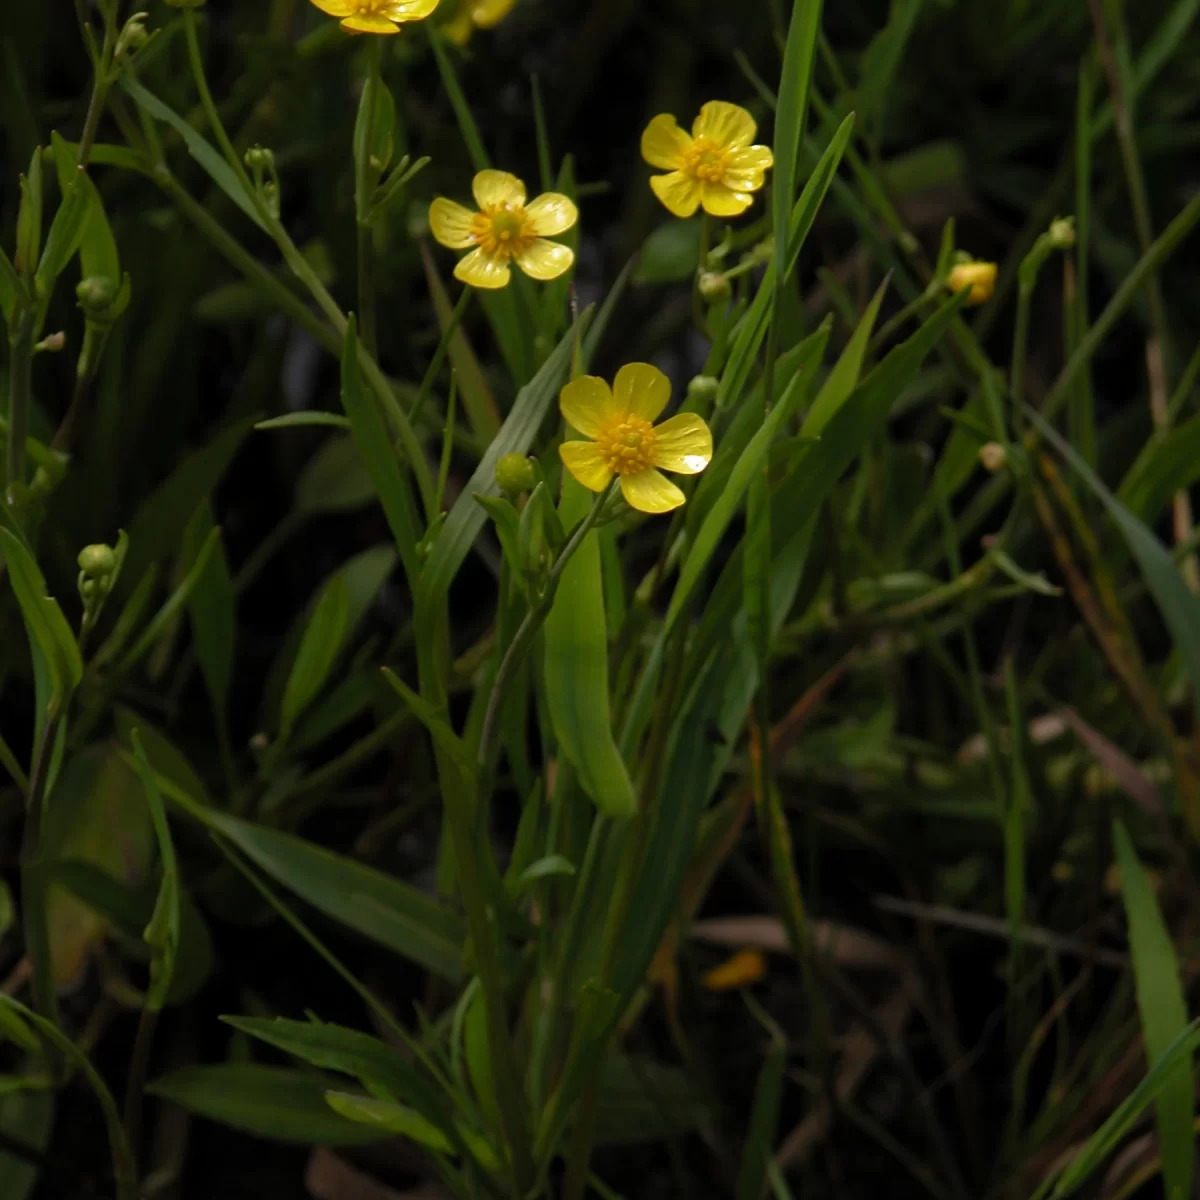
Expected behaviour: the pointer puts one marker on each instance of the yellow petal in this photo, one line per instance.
(664, 143)
(683, 444)
(337, 8)
(543, 259)
(979, 277)
(587, 404)
(743, 181)
(496, 189)
(719, 201)
(487, 13)
(483, 270)
(411, 10)
(450, 223)
(729, 125)
(587, 464)
(679, 193)
(744, 968)
(359, 23)
(641, 390)
(651, 492)
(551, 213)
(751, 158)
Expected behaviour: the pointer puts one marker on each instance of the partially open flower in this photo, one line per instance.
(715, 166)
(477, 14)
(376, 16)
(505, 229)
(980, 277)
(626, 442)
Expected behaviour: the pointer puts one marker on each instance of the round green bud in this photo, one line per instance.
(993, 456)
(259, 158)
(714, 287)
(703, 387)
(133, 36)
(515, 474)
(1062, 233)
(97, 561)
(96, 294)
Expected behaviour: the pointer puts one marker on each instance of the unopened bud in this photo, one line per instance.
(515, 474)
(713, 287)
(1062, 233)
(993, 456)
(52, 343)
(703, 387)
(96, 294)
(97, 561)
(133, 36)
(259, 158)
(979, 277)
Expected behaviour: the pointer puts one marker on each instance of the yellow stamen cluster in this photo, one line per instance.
(627, 445)
(503, 231)
(706, 161)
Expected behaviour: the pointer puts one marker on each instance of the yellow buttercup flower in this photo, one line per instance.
(477, 14)
(505, 229)
(377, 16)
(715, 166)
(626, 442)
(980, 277)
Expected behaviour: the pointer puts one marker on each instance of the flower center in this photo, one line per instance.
(706, 160)
(368, 8)
(627, 444)
(502, 231)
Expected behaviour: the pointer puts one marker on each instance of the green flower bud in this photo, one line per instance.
(133, 36)
(1062, 233)
(993, 456)
(259, 158)
(515, 474)
(96, 294)
(713, 287)
(97, 561)
(703, 387)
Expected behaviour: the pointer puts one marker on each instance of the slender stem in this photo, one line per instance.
(20, 395)
(135, 1087)
(1016, 370)
(439, 356)
(210, 109)
(529, 627)
(34, 880)
(100, 88)
(362, 197)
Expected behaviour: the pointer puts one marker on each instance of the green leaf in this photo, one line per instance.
(670, 254)
(881, 58)
(384, 910)
(162, 934)
(335, 479)
(158, 527)
(218, 170)
(379, 455)
(66, 232)
(1166, 465)
(28, 1116)
(212, 611)
(843, 379)
(98, 256)
(168, 760)
(764, 1118)
(576, 669)
(298, 419)
(439, 728)
(1179, 607)
(389, 1119)
(45, 625)
(271, 1102)
(319, 648)
(790, 112)
(722, 512)
(466, 518)
(1163, 1011)
(552, 866)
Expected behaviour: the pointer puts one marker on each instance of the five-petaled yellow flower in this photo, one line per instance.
(477, 14)
(505, 228)
(715, 166)
(377, 16)
(980, 277)
(626, 442)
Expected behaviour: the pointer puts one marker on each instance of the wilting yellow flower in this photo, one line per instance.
(715, 166)
(744, 968)
(505, 228)
(477, 14)
(980, 277)
(377, 16)
(626, 442)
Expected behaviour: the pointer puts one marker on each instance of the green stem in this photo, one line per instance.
(35, 882)
(1016, 370)
(20, 395)
(362, 201)
(100, 88)
(528, 629)
(439, 355)
(136, 1086)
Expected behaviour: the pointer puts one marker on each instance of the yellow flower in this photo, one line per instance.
(715, 166)
(744, 968)
(504, 228)
(477, 14)
(626, 442)
(980, 277)
(376, 16)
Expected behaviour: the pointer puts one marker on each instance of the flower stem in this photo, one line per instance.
(210, 109)
(439, 355)
(20, 394)
(362, 200)
(529, 627)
